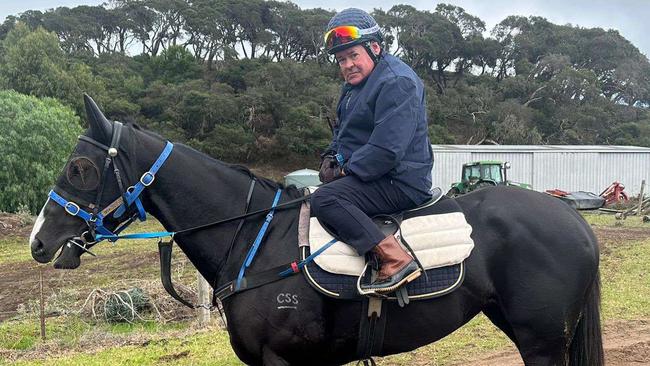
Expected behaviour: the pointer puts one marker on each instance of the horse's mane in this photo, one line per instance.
(291, 190)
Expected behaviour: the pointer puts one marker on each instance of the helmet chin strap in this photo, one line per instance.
(375, 58)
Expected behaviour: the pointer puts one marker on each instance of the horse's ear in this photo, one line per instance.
(100, 127)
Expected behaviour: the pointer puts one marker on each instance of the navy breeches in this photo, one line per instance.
(346, 205)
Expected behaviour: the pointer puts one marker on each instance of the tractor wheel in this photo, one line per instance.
(454, 192)
(482, 185)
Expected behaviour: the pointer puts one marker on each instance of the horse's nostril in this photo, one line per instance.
(37, 245)
(39, 253)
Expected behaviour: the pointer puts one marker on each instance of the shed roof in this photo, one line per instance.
(540, 148)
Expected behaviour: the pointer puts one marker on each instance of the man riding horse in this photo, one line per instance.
(380, 158)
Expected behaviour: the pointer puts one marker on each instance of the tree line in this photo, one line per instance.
(248, 81)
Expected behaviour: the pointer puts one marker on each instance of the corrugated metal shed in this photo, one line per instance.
(567, 167)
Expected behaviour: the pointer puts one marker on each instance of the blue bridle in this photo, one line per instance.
(95, 219)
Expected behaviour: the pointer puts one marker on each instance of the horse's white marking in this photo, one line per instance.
(38, 224)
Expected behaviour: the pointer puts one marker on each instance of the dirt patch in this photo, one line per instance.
(625, 343)
(174, 356)
(20, 283)
(15, 225)
(613, 236)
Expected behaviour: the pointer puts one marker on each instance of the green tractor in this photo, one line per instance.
(481, 174)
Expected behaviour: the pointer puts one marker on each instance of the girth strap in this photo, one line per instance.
(239, 285)
(254, 280)
(371, 329)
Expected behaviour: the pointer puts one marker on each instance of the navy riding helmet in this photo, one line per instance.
(351, 27)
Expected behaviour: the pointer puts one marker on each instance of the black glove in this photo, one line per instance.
(330, 169)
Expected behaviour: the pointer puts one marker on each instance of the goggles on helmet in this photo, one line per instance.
(345, 34)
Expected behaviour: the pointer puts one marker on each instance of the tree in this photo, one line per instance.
(7, 26)
(36, 138)
(474, 45)
(430, 42)
(157, 24)
(34, 63)
(175, 64)
(124, 83)
(394, 23)
(512, 124)
(302, 132)
(206, 37)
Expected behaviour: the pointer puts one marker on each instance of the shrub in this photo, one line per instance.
(36, 138)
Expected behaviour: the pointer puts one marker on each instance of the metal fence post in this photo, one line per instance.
(638, 211)
(42, 304)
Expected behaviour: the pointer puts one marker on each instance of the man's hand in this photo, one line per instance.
(329, 169)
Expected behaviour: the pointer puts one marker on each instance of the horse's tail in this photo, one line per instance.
(587, 345)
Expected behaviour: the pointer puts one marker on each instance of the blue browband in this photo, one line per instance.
(132, 195)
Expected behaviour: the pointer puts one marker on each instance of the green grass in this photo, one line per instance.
(14, 250)
(609, 220)
(624, 271)
(162, 344)
(477, 337)
(142, 327)
(203, 349)
(626, 281)
(25, 334)
(147, 344)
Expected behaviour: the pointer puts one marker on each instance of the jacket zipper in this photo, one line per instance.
(349, 96)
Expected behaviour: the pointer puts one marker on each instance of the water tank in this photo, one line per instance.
(302, 178)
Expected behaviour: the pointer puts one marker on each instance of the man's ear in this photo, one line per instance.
(375, 47)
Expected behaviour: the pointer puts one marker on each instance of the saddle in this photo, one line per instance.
(336, 272)
(339, 276)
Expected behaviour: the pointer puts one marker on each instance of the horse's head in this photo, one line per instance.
(85, 189)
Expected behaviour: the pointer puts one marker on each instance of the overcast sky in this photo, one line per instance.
(630, 17)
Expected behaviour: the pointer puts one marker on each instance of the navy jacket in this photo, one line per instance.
(382, 129)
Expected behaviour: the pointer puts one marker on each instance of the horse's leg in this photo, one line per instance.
(533, 349)
(538, 351)
(542, 331)
(540, 317)
(270, 358)
(498, 319)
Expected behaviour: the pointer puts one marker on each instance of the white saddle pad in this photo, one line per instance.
(438, 241)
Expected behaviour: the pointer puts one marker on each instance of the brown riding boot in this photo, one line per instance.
(397, 266)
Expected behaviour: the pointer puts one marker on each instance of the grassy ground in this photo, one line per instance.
(75, 339)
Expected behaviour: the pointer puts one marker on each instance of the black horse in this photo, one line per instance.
(533, 272)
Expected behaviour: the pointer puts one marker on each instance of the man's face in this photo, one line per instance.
(355, 63)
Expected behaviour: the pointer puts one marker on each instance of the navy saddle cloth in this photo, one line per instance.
(437, 282)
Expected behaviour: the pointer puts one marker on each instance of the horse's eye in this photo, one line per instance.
(83, 174)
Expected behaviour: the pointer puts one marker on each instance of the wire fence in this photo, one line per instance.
(63, 294)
